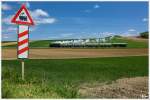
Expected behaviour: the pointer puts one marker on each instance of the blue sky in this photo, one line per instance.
(61, 20)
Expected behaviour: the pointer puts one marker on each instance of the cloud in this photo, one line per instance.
(42, 17)
(45, 20)
(31, 29)
(27, 4)
(145, 19)
(105, 34)
(6, 6)
(131, 30)
(24, 2)
(7, 20)
(5, 36)
(130, 34)
(9, 29)
(96, 6)
(39, 12)
(66, 34)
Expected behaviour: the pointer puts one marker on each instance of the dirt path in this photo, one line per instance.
(74, 53)
(122, 88)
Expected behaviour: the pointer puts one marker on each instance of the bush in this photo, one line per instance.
(144, 35)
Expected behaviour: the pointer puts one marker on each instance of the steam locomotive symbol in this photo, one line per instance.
(23, 17)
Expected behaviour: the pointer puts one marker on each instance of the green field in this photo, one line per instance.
(38, 43)
(131, 43)
(60, 78)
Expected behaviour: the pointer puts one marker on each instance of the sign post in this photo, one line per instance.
(24, 20)
(22, 62)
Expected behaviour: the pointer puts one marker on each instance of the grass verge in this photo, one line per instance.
(60, 78)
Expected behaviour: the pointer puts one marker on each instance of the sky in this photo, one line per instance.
(75, 20)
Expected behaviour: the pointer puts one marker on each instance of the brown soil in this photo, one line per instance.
(74, 53)
(122, 88)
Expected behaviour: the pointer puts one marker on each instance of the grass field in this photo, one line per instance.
(131, 43)
(39, 43)
(60, 78)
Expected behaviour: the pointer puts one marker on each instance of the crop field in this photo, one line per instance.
(132, 42)
(66, 78)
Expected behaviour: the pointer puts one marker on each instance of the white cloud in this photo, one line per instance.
(42, 17)
(32, 28)
(7, 20)
(9, 29)
(131, 30)
(5, 36)
(39, 12)
(96, 6)
(6, 6)
(45, 20)
(145, 19)
(66, 34)
(130, 34)
(105, 34)
(27, 4)
(24, 2)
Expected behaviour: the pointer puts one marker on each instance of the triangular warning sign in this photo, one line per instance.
(22, 17)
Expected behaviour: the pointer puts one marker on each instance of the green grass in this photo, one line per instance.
(38, 43)
(131, 43)
(60, 78)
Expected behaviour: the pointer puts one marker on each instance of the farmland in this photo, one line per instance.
(77, 72)
(132, 42)
(62, 78)
(75, 50)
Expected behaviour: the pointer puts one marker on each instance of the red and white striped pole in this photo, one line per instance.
(23, 41)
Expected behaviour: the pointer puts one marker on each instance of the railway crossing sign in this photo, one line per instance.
(24, 20)
(22, 17)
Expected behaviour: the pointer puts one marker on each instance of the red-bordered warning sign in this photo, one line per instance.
(22, 17)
